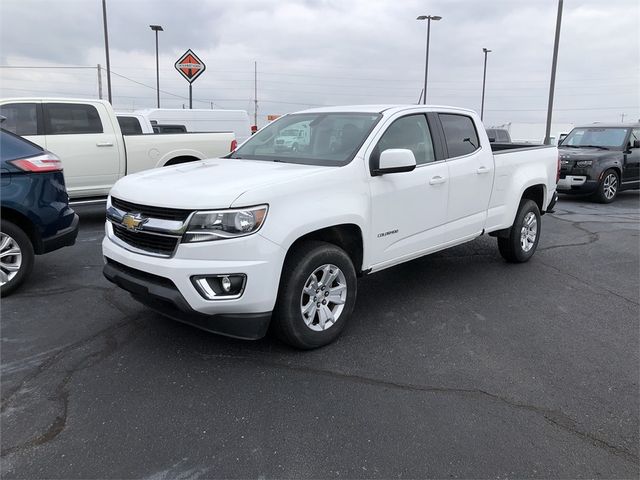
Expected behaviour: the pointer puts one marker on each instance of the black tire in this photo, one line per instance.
(19, 238)
(288, 321)
(511, 247)
(608, 187)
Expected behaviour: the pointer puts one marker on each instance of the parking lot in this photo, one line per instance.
(454, 365)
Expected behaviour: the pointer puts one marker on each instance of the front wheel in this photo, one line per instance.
(16, 257)
(523, 237)
(316, 296)
(608, 187)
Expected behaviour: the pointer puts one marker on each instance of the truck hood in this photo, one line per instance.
(206, 184)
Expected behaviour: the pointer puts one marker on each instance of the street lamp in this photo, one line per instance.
(157, 28)
(106, 47)
(428, 18)
(484, 79)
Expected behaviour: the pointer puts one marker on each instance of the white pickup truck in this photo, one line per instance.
(85, 134)
(232, 244)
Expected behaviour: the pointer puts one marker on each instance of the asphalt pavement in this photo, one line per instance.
(456, 365)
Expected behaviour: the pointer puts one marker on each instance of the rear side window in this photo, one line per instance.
(12, 147)
(129, 125)
(69, 118)
(411, 132)
(460, 134)
(21, 118)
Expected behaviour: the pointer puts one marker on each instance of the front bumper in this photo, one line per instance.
(161, 294)
(580, 184)
(173, 293)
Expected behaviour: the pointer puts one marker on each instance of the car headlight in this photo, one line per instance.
(584, 163)
(220, 224)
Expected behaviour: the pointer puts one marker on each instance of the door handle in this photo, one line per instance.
(437, 180)
(104, 144)
(482, 170)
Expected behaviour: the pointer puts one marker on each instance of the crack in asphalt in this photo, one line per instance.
(61, 392)
(554, 417)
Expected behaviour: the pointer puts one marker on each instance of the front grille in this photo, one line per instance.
(153, 212)
(148, 242)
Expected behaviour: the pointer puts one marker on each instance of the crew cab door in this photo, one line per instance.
(82, 135)
(408, 209)
(471, 172)
(24, 119)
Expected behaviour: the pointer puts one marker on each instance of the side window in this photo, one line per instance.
(70, 118)
(411, 132)
(502, 136)
(129, 125)
(21, 118)
(635, 136)
(460, 134)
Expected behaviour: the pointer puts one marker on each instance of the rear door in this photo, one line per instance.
(81, 134)
(471, 172)
(631, 173)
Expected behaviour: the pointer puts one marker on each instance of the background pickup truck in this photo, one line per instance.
(229, 244)
(85, 134)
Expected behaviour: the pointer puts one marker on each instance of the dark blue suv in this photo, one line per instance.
(34, 208)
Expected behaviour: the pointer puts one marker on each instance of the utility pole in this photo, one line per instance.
(255, 93)
(157, 28)
(428, 18)
(547, 136)
(622, 118)
(106, 48)
(99, 82)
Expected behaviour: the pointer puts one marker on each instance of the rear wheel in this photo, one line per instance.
(608, 187)
(317, 295)
(16, 257)
(523, 237)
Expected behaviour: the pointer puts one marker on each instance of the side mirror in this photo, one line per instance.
(395, 160)
(492, 139)
(636, 144)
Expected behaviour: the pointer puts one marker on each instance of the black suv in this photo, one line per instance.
(600, 160)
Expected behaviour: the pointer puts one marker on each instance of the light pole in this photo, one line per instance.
(552, 83)
(106, 47)
(484, 79)
(157, 28)
(428, 18)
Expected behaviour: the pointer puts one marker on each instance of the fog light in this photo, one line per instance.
(220, 287)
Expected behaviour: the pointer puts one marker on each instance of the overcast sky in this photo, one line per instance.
(333, 52)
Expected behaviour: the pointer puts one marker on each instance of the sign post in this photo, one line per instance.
(190, 67)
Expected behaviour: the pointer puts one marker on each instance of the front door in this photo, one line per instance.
(409, 209)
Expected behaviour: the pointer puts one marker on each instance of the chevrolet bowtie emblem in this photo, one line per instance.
(133, 221)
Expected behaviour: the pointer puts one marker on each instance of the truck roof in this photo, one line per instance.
(54, 99)
(393, 108)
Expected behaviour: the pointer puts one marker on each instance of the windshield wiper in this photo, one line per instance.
(594, 146)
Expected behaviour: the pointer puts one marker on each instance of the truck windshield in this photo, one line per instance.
(325, 139)
(599, 137)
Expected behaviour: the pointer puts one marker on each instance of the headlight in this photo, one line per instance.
(221, 224)
(584, 163)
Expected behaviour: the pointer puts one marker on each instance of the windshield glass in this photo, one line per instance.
(326, 139)
(595, 137)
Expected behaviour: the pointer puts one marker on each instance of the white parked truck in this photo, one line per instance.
(87, 137)
(232, 244)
